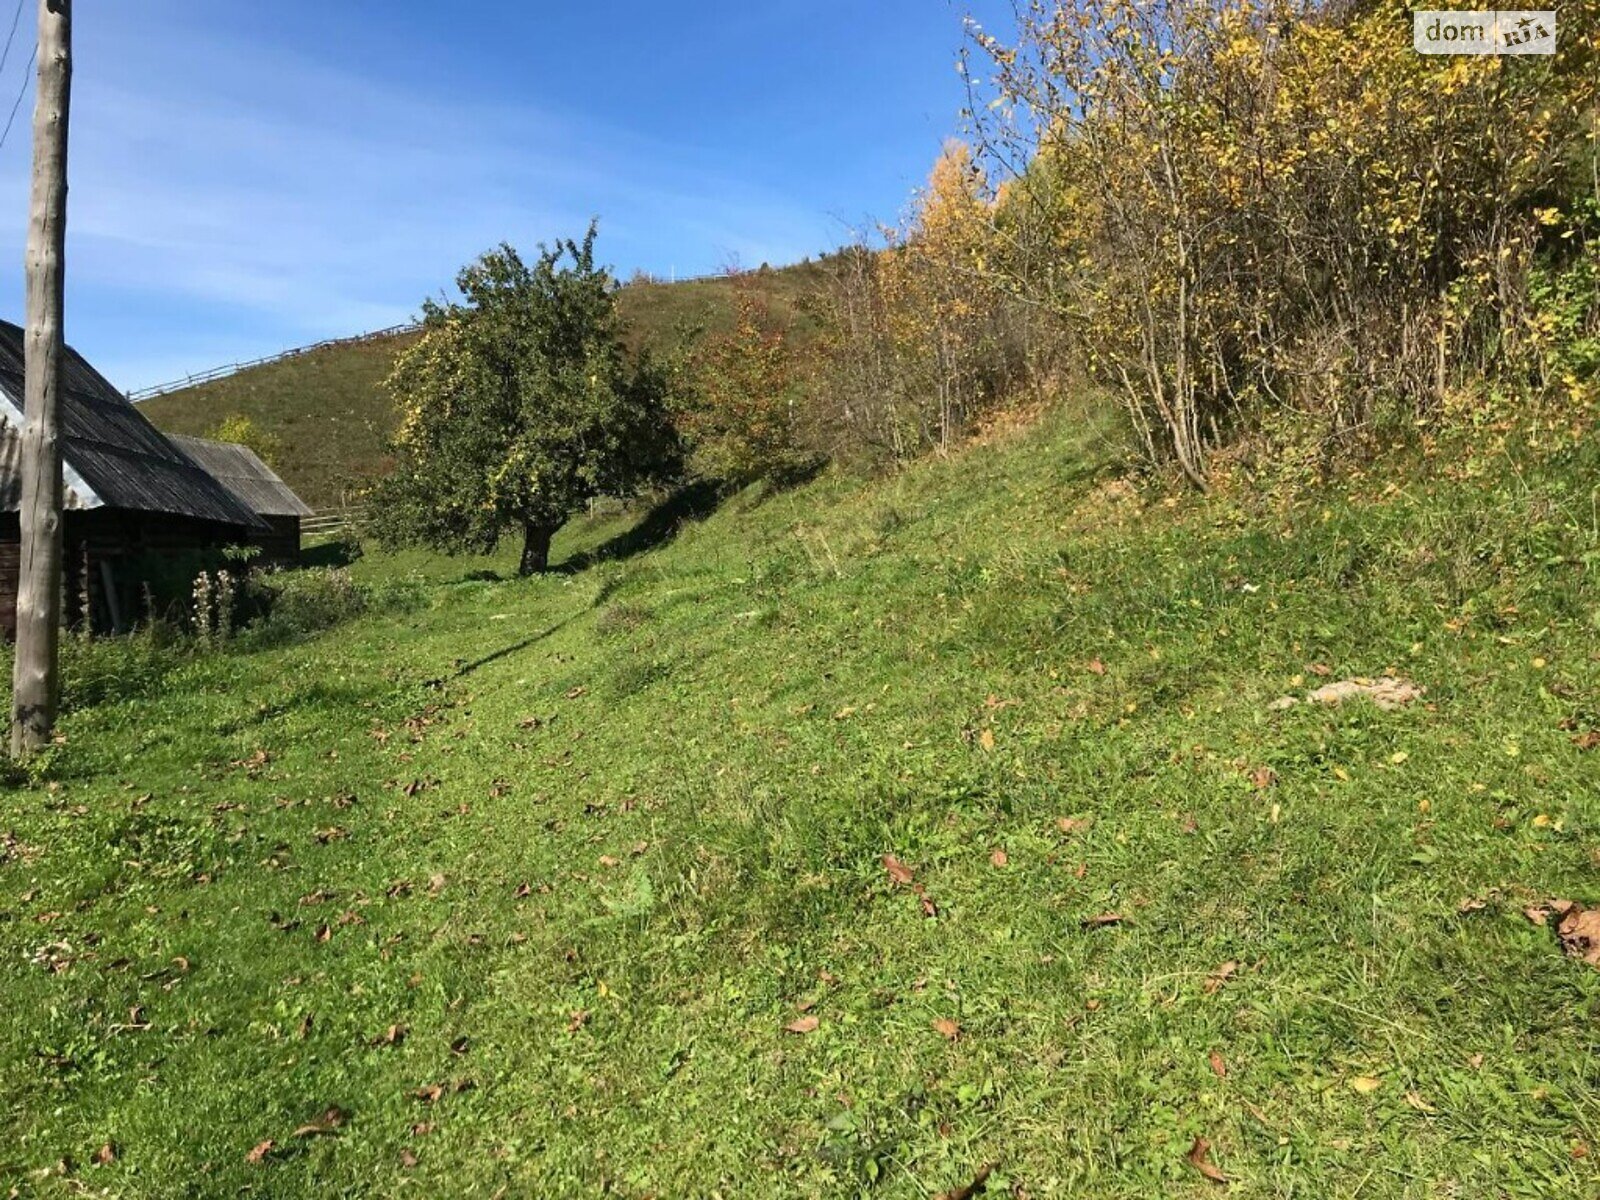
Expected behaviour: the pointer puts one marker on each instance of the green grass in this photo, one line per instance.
(329, 411)
(593, 840)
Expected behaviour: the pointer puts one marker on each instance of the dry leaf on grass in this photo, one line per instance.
(1421, 1105)
(802, 1025)
(260, 1151)
(1365, 1084)
(1220, 976)
(1579, 932)
(898, 871)
(1102, 920)
(986, 739)
(968, 1190)
(1587, 741)
(578, 1019)
(1199, 1158)
(999, 858)
(391, 1036)
(947, 1029)
(1072, 825)
(1095, 667)
(329, 1122)
(1219, 1066)
(106, 1154)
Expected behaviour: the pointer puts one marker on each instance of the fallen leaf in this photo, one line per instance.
(391, 1036)
(106, 1155)
(577, 691)
(580, 1018)
(408, 1159)
(523, 891)
(968, 1190)
(607, 861)
(1217, 978)
(429, 1094)
(802, 1025)
(986, 739)
(329, 1122)
(1537, 914)
(947, 1028)
(1365, 1084)
(1219, 1066)
(1587, 741)
(1262, 778)
(461, 1045)
(1071, 825)
(324, 932)
(998, 858)
(1095, 667)
(898, 871)
(1199, 1158)
(1579, 932)
(436, 884)
(1421, 1105)
(261, 1150)
(1104, 919)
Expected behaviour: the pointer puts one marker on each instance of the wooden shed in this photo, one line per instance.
(135, 503)
(240, 470)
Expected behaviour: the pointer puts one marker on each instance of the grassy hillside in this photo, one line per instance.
(577, 885)
(328, 409)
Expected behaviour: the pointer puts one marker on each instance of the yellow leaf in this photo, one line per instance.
(1366, 1084)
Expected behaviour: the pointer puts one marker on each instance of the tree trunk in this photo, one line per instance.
(536, 547)
(36, 679)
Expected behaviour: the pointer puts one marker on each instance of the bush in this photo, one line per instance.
(296, 603)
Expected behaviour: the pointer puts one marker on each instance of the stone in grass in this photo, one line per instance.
(1388, 693)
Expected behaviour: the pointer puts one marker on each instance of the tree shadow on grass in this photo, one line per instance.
(508, 651)
(692, 502)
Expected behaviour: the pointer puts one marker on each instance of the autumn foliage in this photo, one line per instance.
(1252, 213)
(1254, 220)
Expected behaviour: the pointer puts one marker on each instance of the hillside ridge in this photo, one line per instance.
(326, 407)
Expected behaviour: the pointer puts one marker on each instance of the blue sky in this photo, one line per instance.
(246, 177)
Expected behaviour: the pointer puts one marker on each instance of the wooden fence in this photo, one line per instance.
(331, 524)
(222, 372)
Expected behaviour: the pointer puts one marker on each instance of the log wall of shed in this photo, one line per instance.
(129, 543)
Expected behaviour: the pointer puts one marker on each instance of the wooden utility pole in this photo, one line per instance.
(36, 680)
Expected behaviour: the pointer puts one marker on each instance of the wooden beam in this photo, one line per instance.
(36, 682)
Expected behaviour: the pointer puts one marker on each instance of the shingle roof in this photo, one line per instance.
(109, 447)
(242, 472)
